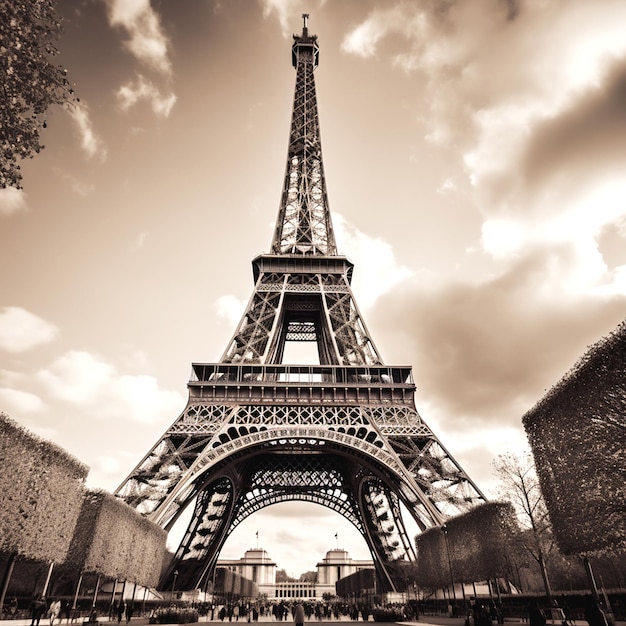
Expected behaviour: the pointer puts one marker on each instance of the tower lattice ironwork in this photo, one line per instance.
(344, 434)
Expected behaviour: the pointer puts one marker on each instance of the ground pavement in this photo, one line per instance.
(424, 620)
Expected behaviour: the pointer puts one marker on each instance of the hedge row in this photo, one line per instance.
(470, 547)
(112, 539)
(46, 514)
(41, 489)
(578, 436)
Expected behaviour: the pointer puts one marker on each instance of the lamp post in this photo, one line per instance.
(444, 530)
(173, 586)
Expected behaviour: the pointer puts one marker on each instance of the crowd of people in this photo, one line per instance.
(56, 610)
(480, 612)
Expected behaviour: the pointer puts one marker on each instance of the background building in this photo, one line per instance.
(257, 566)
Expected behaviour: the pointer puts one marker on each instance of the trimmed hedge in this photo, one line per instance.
(113, 539)
(41, 490)
(476, 542)
(387, 615)
(177, 616)
(577, 434)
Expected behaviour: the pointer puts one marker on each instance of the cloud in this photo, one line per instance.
(283, 9)
(81, 379)
(21, 401)
(91, 144)
(142, 89)
(21, 330)
(484, 353)
(378, 271)
(399, 19)
(12, 201)
(146, 40)
(529, 99)
(585, 144)
(230, 308)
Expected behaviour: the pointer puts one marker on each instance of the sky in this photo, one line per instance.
(474, 153)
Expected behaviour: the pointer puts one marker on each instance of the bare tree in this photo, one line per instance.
(520, 485)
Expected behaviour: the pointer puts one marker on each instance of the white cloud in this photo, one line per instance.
(21, 330)
(447, 186)
(146, 40)
(577, 229)
(501, 237)
(230, 308)
(92, 145)
(363, 39)
(397, 19)
(12, 201)
(378, 269)
(283, 10)
(143, 89)
(20, 401)
(82, 379)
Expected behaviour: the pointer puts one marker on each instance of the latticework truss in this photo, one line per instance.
(304, 225)
(258, 435)
(303, 302)
(344, 434)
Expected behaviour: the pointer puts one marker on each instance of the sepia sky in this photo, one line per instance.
(474, 151)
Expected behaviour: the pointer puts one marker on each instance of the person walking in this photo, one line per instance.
(54, 610)
(121, 609)
(37, 609)
(66, 610)
(298, 615)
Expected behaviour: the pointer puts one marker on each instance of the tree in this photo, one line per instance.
(31, 82)
(283, 577)
(520, 485)
(308, 577)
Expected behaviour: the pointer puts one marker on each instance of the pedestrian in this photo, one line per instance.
(37, 609)
(13, 606)
(129, 611)
(298, 616)
(120, 611)
(66, 610)
(54, 610)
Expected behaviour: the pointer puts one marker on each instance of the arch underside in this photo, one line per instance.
(364, 494)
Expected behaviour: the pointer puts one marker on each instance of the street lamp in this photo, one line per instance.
(444, 530)
(173, 586)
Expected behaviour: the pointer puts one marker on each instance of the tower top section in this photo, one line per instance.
(304, 226)
(305, 44)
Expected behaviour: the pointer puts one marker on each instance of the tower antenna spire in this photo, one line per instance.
(304, 225)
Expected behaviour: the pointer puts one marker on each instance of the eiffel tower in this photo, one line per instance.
(344, 433)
